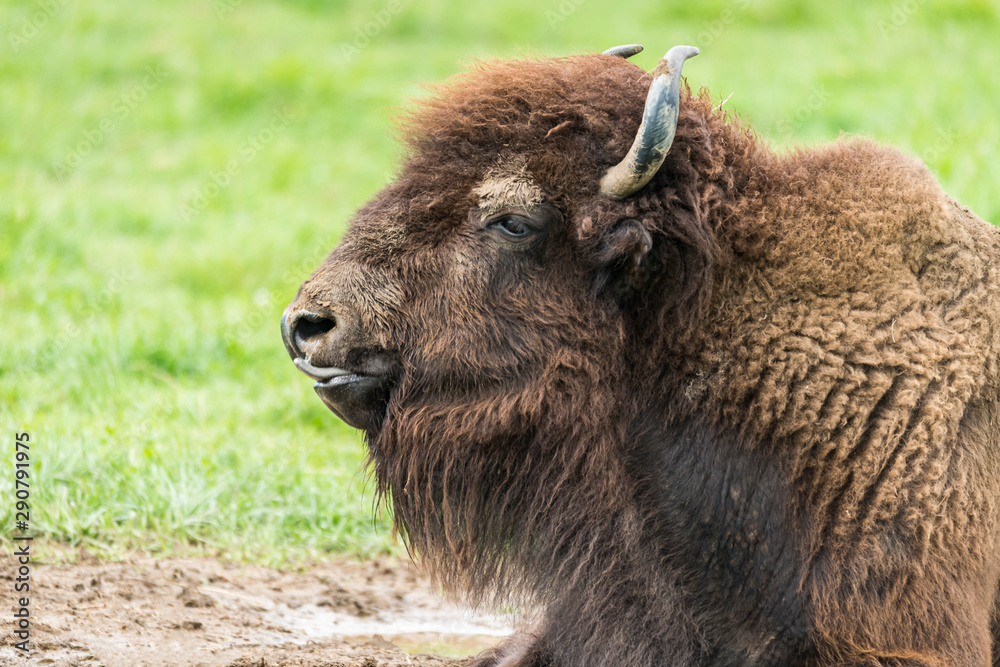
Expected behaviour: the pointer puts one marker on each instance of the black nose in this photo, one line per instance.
(302, 330)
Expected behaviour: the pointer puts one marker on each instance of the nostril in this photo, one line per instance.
(311, 325)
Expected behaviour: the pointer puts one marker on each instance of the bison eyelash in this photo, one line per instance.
(513, 228)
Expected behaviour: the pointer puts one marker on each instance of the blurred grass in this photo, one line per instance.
(141, 298)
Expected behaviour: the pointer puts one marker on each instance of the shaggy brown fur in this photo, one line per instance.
(747, 416)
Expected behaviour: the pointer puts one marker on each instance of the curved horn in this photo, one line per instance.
(625, 50)
(656, 132)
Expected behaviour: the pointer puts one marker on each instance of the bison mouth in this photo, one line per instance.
(358, 399)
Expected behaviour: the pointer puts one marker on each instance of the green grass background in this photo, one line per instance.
(139, 340)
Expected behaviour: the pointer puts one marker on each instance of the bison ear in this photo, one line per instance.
(622, 255)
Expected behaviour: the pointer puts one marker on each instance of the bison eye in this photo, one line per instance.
(513, 228)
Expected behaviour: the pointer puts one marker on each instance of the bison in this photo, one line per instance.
(692, 401)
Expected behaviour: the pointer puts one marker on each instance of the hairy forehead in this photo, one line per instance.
(408, 215)
(507, 184)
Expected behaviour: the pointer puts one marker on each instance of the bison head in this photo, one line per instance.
(486, 313)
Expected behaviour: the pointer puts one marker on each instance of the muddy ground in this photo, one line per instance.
(204, 612)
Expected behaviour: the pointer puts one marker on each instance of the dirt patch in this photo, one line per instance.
(204, 612)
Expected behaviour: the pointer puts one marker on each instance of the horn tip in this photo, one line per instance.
(680, 53)
(672, 62)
